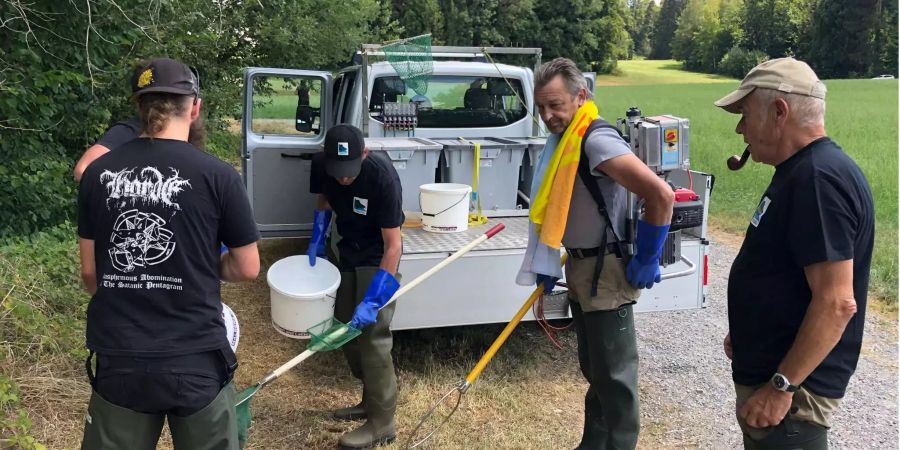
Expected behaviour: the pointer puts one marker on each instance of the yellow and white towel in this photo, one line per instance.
(551, 189)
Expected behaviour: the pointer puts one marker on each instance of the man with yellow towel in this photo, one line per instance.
(580, 202)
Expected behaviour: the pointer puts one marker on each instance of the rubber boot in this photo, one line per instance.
(356, 412)
(343, 310)
(379, 428)
(607, 350)
(378, 377)
(595, 432)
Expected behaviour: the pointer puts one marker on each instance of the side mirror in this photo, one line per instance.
(304, 118)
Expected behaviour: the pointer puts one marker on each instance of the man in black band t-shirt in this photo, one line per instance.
(797, 289)
(362, 189)
(152, 215)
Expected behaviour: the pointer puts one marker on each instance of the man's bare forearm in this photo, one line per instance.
(230, 269)
(830, 309)
(820, 331)
(659, 207)
(90, 282)
(390, 262)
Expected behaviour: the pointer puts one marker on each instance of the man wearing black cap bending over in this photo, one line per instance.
(125, 131)
(151, 217)
(363, 191)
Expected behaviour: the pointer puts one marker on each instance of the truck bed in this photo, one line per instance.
(514, 236)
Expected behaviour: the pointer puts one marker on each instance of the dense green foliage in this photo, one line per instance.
(664, 29)
(64, 66)
(641, 24)
(839, 39)
(15, 424)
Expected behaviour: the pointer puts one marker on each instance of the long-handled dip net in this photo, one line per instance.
(443, 410)
(332, 334)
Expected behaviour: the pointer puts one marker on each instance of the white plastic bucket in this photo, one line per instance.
(301, 295)
(445, 207)
(232, 328)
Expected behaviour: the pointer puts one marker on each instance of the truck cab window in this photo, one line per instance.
(453, 101)
(286, 105)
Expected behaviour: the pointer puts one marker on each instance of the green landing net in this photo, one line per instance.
(412, 60)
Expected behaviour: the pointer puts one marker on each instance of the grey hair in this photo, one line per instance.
(809, 111)
(566, 68)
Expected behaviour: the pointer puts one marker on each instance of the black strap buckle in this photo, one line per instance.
(229, 359)
(581, 253)
(87, 367)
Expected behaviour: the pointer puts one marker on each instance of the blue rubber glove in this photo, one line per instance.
(643, 270)
(321, 220)
(380, 290)
(549, 282)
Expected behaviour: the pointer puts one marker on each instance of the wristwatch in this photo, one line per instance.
(781, 383)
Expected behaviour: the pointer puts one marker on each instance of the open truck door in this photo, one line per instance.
(591, 79)
(286, 115)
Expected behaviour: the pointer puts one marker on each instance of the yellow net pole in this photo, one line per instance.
(489, 354)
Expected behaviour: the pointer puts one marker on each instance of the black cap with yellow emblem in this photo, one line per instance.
(165, 75)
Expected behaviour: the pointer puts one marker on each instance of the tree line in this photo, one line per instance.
(64, 65)
(838, 38)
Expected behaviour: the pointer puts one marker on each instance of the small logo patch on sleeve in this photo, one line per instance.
(760, 211)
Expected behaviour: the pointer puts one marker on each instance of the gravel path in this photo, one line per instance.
(685, 374)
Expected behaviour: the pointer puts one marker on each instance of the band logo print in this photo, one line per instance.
(141, 237)
(149, 187)
(139, 240)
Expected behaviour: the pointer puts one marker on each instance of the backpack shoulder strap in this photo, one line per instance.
(589, 180)
(584, 170)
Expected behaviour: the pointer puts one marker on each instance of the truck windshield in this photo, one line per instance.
(454, 101)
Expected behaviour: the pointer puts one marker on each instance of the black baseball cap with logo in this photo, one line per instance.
(167, 76)
(344, 146)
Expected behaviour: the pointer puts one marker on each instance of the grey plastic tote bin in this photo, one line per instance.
(535, 146)
(499, 168)
(416, 160)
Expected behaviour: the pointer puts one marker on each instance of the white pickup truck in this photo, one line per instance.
(469, 95)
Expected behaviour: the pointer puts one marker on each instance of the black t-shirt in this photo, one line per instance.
(120, 133)
(817, 208)
(372, 202)
(157, 210)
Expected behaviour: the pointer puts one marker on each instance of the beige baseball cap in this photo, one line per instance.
(782, 74)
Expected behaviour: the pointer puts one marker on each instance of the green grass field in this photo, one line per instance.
(861, 116)
(644, 72)
(282, 102)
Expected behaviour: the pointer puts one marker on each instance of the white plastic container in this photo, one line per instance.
(301, 295)
(445, 207)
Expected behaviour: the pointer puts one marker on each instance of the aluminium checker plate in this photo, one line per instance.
(514, 236)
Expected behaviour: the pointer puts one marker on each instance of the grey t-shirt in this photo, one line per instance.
(585, 224)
